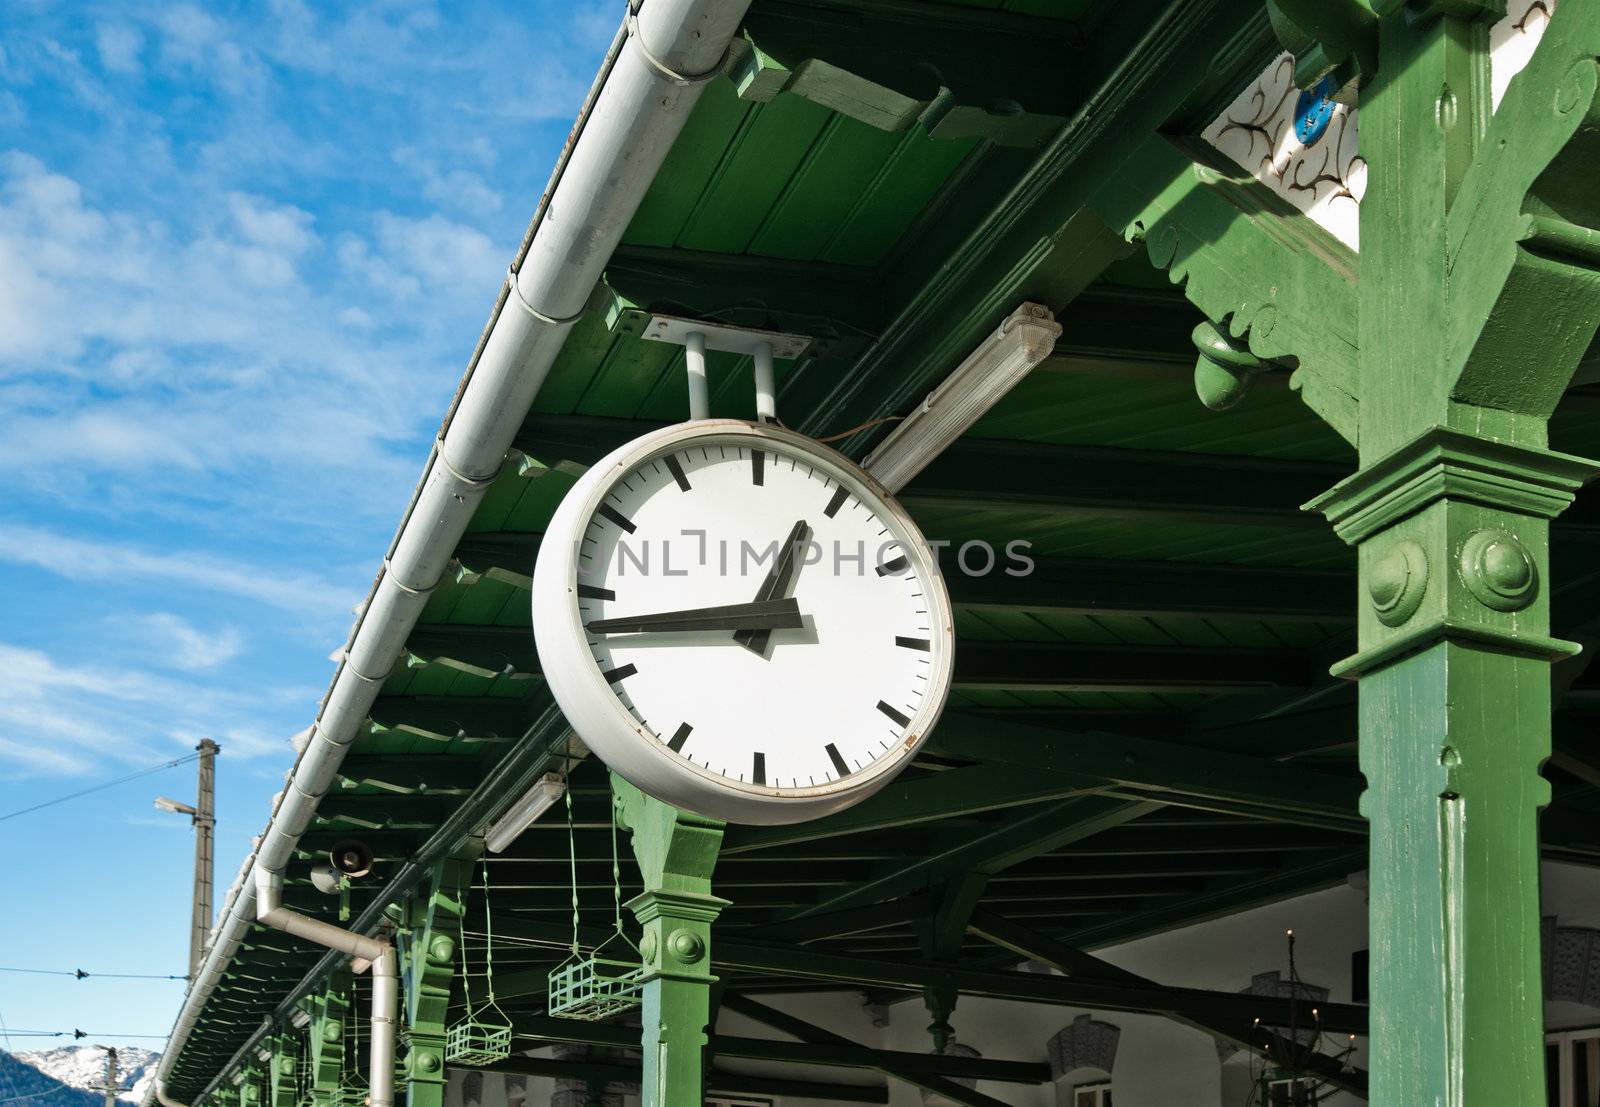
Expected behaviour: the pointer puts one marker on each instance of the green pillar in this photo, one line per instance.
(677, 852)
(1470, 327)
(250, 1087)
(432, 948)
(283, 1076)
(1455, 722)
(326, 1044)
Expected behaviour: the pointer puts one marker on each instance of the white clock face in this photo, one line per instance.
(758, 625)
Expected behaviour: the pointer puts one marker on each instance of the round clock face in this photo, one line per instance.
(741, 623)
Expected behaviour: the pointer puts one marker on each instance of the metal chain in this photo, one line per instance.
(616, 868)
(488, 932)
(572, 856)
(466, 974)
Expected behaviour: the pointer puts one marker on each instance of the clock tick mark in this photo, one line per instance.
(617, 517)
(758, 770)
(676, 469)
(623, 673)
(838, 762)
(839, 496)
(897, 716)
(923, 644)
(758, 462)
(592, 592)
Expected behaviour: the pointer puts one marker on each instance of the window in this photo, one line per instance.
(1294, 1092)
(1091, 1095)
(1572, 1068)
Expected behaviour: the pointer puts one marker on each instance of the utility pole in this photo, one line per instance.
(111, 1076)
(203, 815)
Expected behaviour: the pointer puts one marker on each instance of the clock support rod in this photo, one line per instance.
(696, 336)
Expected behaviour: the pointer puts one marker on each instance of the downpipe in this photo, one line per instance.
(378, 953)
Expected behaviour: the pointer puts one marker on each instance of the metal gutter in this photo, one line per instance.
(668, 49)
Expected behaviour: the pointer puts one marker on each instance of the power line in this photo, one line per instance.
(81, 974)
(102, 787)
(37, 1095)
(75, 1033)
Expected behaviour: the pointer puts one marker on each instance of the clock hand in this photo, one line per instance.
(775, 586)
(761, 615)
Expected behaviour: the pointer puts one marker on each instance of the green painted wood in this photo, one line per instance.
(717, 1083)
(677, 854)
(429, 958)
(914, 1074)
(960, 74)
(1284, 285)
(1032, 945)
(282, 1075)
(1224, 781)
(326, 1041)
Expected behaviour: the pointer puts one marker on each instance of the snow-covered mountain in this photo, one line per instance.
(84, 1066)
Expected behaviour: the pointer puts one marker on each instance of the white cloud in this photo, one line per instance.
(281, 228)
(185, 646)
(440, 253)
(72, 718)
(119, 45)
(79, 559)
(455, 187)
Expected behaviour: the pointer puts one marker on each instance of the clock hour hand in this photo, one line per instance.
(762, 615)
(776, 585)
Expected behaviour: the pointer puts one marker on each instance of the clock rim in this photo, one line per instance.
(598, 716)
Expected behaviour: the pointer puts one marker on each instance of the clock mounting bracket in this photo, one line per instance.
(697, 336)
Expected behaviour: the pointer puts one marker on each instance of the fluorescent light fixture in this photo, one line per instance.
(1026, 338)
(525, 812)
(172, 805)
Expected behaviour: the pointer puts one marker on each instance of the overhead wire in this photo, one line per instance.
(75, 1033)
(174, 763)
(82, 974)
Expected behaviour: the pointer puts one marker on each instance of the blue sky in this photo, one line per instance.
(245, 251)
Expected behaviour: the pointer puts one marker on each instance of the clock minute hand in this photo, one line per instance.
(762, 615)
(776, 584)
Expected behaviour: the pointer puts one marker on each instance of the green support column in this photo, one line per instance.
(1455, 721)
(250, 1087)
(283, 1083)
(430, 954)
(940, 933)
(1471, 324)
(1474, 297)
(677, 852)
(326, 1043)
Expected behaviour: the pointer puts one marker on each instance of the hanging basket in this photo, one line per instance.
(483, 1036)
(594, 988)
(476, 1040)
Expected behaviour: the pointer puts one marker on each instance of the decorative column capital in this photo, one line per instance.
(1453, 538)
(676, 944)
(660, 903)
(1443, 464)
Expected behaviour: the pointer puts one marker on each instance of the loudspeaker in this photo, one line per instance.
(325, 879)
(351, 857)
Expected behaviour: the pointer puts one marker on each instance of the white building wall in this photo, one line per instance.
(1158, 1063)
